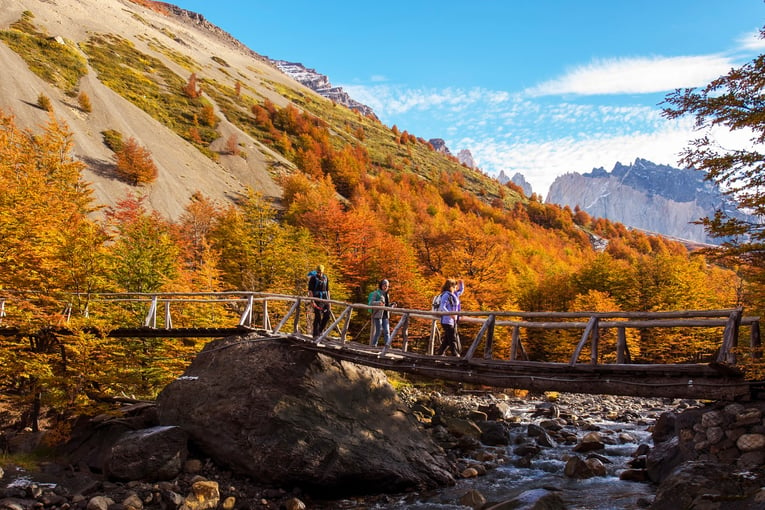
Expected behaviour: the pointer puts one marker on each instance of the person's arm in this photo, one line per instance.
(460, 288)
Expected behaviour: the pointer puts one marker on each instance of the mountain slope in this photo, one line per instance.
(182, 168)
(644, 195)
(138, 57)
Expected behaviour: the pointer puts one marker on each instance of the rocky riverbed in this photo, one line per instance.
(449, 448)
(481, 432)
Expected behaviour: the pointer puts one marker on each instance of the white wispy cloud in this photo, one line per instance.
(389, 100)
(542, 161)
(751, 41)
(569, 124)
(635, 76)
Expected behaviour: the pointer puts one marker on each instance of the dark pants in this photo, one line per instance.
(320, 319)
(449, 341)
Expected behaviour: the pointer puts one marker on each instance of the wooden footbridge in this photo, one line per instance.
(493, 355)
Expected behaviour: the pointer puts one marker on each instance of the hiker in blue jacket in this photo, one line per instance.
(318, 286)
(380, 318)
(450, 302)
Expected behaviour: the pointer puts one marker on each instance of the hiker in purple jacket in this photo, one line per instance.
(450, 302)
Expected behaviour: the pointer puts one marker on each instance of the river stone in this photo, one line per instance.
(701, 484)
(750, 442)
(534, 499)
(205, 495)
(288, 416)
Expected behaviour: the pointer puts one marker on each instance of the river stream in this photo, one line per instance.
(547, 472)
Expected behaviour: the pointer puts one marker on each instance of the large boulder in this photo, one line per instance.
(286, 415)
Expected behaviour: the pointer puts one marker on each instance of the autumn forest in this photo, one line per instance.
(367, 201)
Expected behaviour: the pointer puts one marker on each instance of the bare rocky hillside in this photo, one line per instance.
(183, 169)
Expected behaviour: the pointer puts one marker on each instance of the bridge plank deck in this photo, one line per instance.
(697, 381)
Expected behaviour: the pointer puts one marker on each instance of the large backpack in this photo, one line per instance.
(372, 297)
(436, 303)
(317, 285)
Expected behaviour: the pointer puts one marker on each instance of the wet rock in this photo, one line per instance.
(496, 411)
(590, 442)
(596, 466)
(542, 437)
(535, 499)
(473, 499)
(460, 427)
(633, 475)
(577, 468)
(494, 433)
(99, 503)
(699, 484)
(16, 503)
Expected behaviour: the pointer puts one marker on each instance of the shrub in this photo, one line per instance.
(113, 139)
(84, 102)
(44, 102)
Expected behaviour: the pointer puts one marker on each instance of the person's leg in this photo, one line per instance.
(386, 329)
(448, 338)
(377, 325)
(316, 322)
(325, 318)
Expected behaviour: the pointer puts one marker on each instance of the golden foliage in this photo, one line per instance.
(135, 164)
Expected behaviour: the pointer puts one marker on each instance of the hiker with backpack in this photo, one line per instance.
(380, 318)
(318, 287)
(449, 301)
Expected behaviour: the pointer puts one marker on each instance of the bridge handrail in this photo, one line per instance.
(730, 319)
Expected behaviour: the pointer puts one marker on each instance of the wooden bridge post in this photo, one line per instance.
(346, 325)
(296, 324)
(345, 315)
(754, 340)
(246, 318)
(151, 317)
(295, 308)
(516, 347)
(595, 344)
(487, 326)
(432, 340)
(266, 318)
(730, 338)
(489, 348)
(405, 334)
(592, 325)
(621, 345)
(403, 323)
(168, 320)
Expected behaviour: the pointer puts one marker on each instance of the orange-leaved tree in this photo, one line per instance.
(135, 164)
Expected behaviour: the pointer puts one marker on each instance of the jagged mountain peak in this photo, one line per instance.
(439, 145)
(653, 197)
(320, 84)
(518, 179)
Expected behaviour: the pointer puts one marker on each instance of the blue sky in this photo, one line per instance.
(541, 88)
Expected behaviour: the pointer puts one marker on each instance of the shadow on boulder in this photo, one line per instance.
(285, 415)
